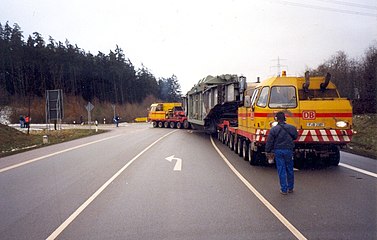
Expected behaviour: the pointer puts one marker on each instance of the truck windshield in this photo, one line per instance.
(317, 93)
(283, 97)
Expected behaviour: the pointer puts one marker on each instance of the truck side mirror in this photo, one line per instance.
(247, 102)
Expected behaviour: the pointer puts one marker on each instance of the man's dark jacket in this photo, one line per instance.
(278, 138)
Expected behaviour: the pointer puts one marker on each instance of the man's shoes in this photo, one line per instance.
(283, 193)
(290, 190)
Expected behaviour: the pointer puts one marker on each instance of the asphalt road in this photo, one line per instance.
(137, 182)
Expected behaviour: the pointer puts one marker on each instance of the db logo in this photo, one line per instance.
(308, 115)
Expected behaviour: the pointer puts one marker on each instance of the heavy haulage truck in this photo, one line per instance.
(242, 114)
(168, 115)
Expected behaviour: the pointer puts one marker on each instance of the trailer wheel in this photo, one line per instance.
(231, 142)
(186, 124)
(160, 124)
(245, 150)
(335, 158)
(253, 156)
(154, 124)
(172, 124)
(179, 125)
(166, 124)
(223, 137)
(239, 147)
(235, 146)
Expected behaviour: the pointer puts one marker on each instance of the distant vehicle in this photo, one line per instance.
(242, 114)
(168, 115)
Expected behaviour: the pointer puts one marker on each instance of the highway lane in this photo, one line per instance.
(36, 197)
(328, 203)
(149, 200)
(152, 201)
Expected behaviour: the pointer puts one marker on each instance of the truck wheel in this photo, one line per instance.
(154, 124)
(224, 137)
(335, 157)
(179, 125)
(231, 142)
(239, 144)
(172, 124)
(235, 147)
(253, 156)
(166, 124)
(160, 124)
(245, 150)
(186, 124)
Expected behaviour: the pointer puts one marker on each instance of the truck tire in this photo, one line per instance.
(154, 124)
(172, 124)
(245, 150)
(160, 124)
(334, 158)
(239, 146)
(235, 146)
(179, 125)
(253, 155)
(231, 142)
(186, 124)
(223, 137)
(166, 124)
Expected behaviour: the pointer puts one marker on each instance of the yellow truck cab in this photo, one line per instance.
(312, 104)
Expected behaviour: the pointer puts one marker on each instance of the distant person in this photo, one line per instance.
(280, 142)
(81, 120)
(27, 122)
(22, 121)
(116, 120)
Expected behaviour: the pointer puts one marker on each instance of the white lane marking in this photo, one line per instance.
(70, 219)
(273, 210)
(53, 154)
(358, 170)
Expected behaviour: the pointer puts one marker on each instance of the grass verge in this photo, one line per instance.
(13, 141)
(364, 140)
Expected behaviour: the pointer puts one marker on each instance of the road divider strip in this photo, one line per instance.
(70, 219)
(269, 206)
(55, 153)
(358, 170)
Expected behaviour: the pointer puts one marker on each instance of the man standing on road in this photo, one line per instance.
(280, 142)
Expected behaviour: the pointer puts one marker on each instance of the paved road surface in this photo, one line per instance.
(119, 185)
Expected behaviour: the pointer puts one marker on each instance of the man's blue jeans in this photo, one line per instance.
(284, 165)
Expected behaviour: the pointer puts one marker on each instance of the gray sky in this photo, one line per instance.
(193, 39)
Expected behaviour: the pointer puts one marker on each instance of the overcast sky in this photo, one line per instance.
(193, 39)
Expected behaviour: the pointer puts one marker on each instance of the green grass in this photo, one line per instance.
(364, 140)
(13, 141)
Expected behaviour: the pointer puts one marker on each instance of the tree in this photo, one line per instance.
(169, 89)
(32, 67)
(369, 66)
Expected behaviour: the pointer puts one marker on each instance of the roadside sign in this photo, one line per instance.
(89, 107)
